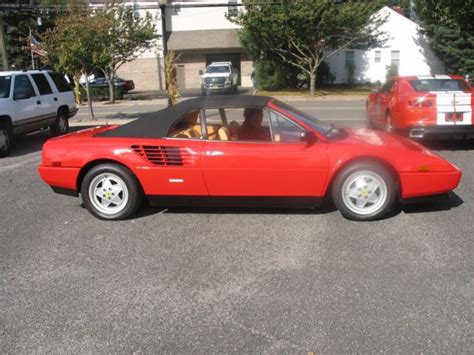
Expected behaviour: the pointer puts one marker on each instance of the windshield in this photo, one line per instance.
(5, 82)
(439, 85)
(218, 69)
(310, 120)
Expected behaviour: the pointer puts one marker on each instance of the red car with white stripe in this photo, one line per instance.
(439, 106)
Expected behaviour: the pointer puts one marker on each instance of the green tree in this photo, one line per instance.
(125, 37)
(304, 33)
(76, 44)
(18, 19)
(450, 29)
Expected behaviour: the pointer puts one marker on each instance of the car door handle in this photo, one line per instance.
(38, 102)
(214, 153)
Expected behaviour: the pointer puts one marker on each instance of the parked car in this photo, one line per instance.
(126, 85)
(219, 77)
(245, 151)
(32, 100)
(439, 106)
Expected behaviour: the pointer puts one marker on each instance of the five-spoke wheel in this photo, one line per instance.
(111, 191)
(364, 191)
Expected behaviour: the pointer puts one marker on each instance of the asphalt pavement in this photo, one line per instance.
(190, 280)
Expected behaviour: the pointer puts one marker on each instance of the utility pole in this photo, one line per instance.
(162, 4)
(3, 48)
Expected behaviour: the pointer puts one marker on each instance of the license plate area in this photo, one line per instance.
(454, 116)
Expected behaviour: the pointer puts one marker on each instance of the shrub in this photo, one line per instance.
(270, 75)
(101, 93)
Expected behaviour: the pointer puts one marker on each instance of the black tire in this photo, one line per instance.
(346, 204)
(61, 125)
(133, 191)
(6, 139)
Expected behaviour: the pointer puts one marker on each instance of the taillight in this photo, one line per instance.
(420, 102)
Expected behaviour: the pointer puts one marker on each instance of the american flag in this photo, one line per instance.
(35, 48)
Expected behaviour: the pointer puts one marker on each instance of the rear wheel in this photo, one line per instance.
(111, 192)
(61, 125)
(364, 191)
(6, 139)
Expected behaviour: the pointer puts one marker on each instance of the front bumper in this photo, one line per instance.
(217, 88)
(453, 132)
(417, 184)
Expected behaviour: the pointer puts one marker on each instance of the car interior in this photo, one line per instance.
(229, 124)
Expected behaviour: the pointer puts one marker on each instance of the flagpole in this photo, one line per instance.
(31, 51)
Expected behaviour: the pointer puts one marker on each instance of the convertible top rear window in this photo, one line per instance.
(439, 85)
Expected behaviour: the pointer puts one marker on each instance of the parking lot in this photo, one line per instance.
(189, 280)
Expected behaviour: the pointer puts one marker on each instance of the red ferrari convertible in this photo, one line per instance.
(245, 151)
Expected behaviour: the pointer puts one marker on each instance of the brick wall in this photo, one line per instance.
(144, 73)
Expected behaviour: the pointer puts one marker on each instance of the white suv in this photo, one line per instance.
(219, 77)
(32, 100)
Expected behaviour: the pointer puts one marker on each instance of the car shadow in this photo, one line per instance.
(33, 142)
(453, 201)
(449, 144)
(152, 210)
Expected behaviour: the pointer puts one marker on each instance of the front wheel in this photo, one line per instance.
(61, 125)
(364, 191)
(111, 192)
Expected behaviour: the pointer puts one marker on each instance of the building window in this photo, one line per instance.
(378, 56)
(395, 58)
(349, 58)
(233, 10)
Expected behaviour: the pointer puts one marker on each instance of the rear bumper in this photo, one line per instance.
(418, 184)
(61, 180)
(440, 132)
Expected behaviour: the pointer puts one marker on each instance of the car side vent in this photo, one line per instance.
(160, 155)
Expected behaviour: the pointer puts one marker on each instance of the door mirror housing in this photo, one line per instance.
(309, 137)
(21, 95)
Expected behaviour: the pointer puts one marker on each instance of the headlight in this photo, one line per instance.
(227, 81)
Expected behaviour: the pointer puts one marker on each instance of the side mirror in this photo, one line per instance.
(201, 72)
(21, 95)
(309, 137)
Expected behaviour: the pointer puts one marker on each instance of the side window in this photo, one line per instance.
(387, 87)
(42, 84)
(285, 130)
(23, 88)
(243, 124)
(188, 127)
(60, 82)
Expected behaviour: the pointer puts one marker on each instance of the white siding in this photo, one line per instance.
(416, 58)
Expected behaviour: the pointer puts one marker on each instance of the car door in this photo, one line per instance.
(382, 100)
(49, 99)
(28, 111)
(281, 167)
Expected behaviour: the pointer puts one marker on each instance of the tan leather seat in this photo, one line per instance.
(212, 130)
(223, 134)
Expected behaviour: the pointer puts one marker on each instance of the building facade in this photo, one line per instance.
(406, 47)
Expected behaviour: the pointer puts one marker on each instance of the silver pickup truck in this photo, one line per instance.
(219, 77)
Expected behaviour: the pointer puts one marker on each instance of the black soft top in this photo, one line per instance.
(158, 123)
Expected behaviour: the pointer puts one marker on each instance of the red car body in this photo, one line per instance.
(438, 106)
(171, 170)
